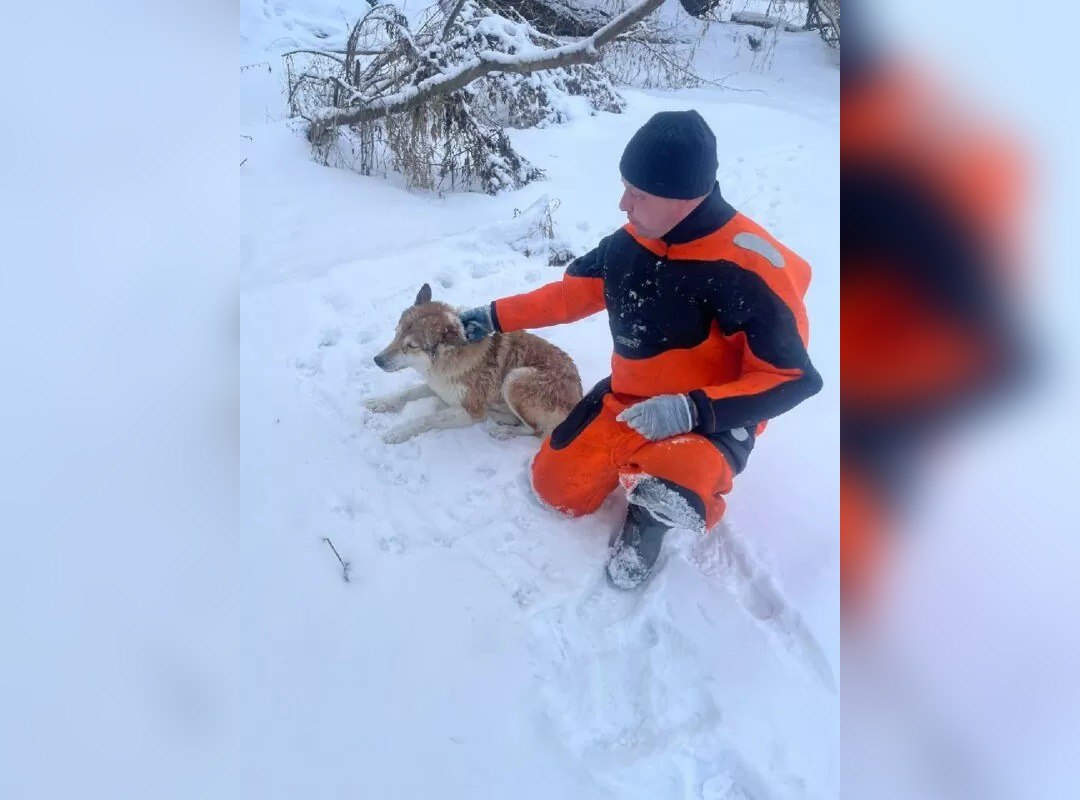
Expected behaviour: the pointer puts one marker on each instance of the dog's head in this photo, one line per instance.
(424, 329)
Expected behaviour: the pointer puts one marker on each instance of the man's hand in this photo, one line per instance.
(477, 323)
(661, 417)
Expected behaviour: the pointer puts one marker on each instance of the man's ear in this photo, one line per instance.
(424, 295)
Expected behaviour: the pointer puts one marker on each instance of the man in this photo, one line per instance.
(710, 337)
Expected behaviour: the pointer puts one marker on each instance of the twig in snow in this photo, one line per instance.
(346, 567)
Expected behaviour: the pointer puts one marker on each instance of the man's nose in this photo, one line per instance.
(623, 204)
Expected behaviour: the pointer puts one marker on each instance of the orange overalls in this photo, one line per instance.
(713, 311)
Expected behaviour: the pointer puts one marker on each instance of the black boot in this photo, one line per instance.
(636, 548)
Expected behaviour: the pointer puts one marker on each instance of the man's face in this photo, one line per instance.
(653, 216)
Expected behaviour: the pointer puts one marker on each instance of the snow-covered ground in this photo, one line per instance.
(476, 650)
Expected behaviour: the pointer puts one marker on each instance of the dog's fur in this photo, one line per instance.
(517, 379)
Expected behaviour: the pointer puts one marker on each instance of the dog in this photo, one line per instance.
(524, 383)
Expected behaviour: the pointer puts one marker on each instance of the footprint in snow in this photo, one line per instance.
(476, 497)
(338, 301)
(475, 515)
(525, 595)
(310, 366)
(482, 270)
(393, 545)
(349, 506)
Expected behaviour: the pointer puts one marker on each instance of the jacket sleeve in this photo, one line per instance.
(579, 294)
(776, 371)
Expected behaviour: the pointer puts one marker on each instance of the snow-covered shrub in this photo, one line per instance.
(533, 233)
(537, 98)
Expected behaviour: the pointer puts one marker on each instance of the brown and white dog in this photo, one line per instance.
(522, 382)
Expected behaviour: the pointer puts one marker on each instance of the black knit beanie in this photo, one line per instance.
(672, 155)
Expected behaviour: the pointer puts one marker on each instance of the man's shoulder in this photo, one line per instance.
(744, 243)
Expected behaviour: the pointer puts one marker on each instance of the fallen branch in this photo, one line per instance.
(760, 20)
(585, 51)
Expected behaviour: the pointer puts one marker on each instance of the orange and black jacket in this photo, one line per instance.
(713, 310)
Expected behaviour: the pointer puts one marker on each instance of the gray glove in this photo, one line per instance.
(661, 417)
(477, 323)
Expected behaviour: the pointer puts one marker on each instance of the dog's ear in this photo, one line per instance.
(424, 295)
(452, 336)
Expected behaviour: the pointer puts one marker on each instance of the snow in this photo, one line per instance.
(476, 650)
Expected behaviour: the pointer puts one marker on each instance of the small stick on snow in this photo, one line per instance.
(345, 565)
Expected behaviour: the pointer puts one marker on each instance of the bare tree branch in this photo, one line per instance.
(331, 53)
(450, 19)
(662, 57)
(585, 51)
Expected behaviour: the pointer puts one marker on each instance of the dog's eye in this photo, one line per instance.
(410, 346)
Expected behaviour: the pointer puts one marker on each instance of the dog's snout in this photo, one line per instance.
(380, 361)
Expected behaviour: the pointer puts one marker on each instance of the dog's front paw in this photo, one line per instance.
(397, 435)
(382, 405)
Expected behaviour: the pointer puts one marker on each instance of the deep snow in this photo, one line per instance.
(476, 650)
